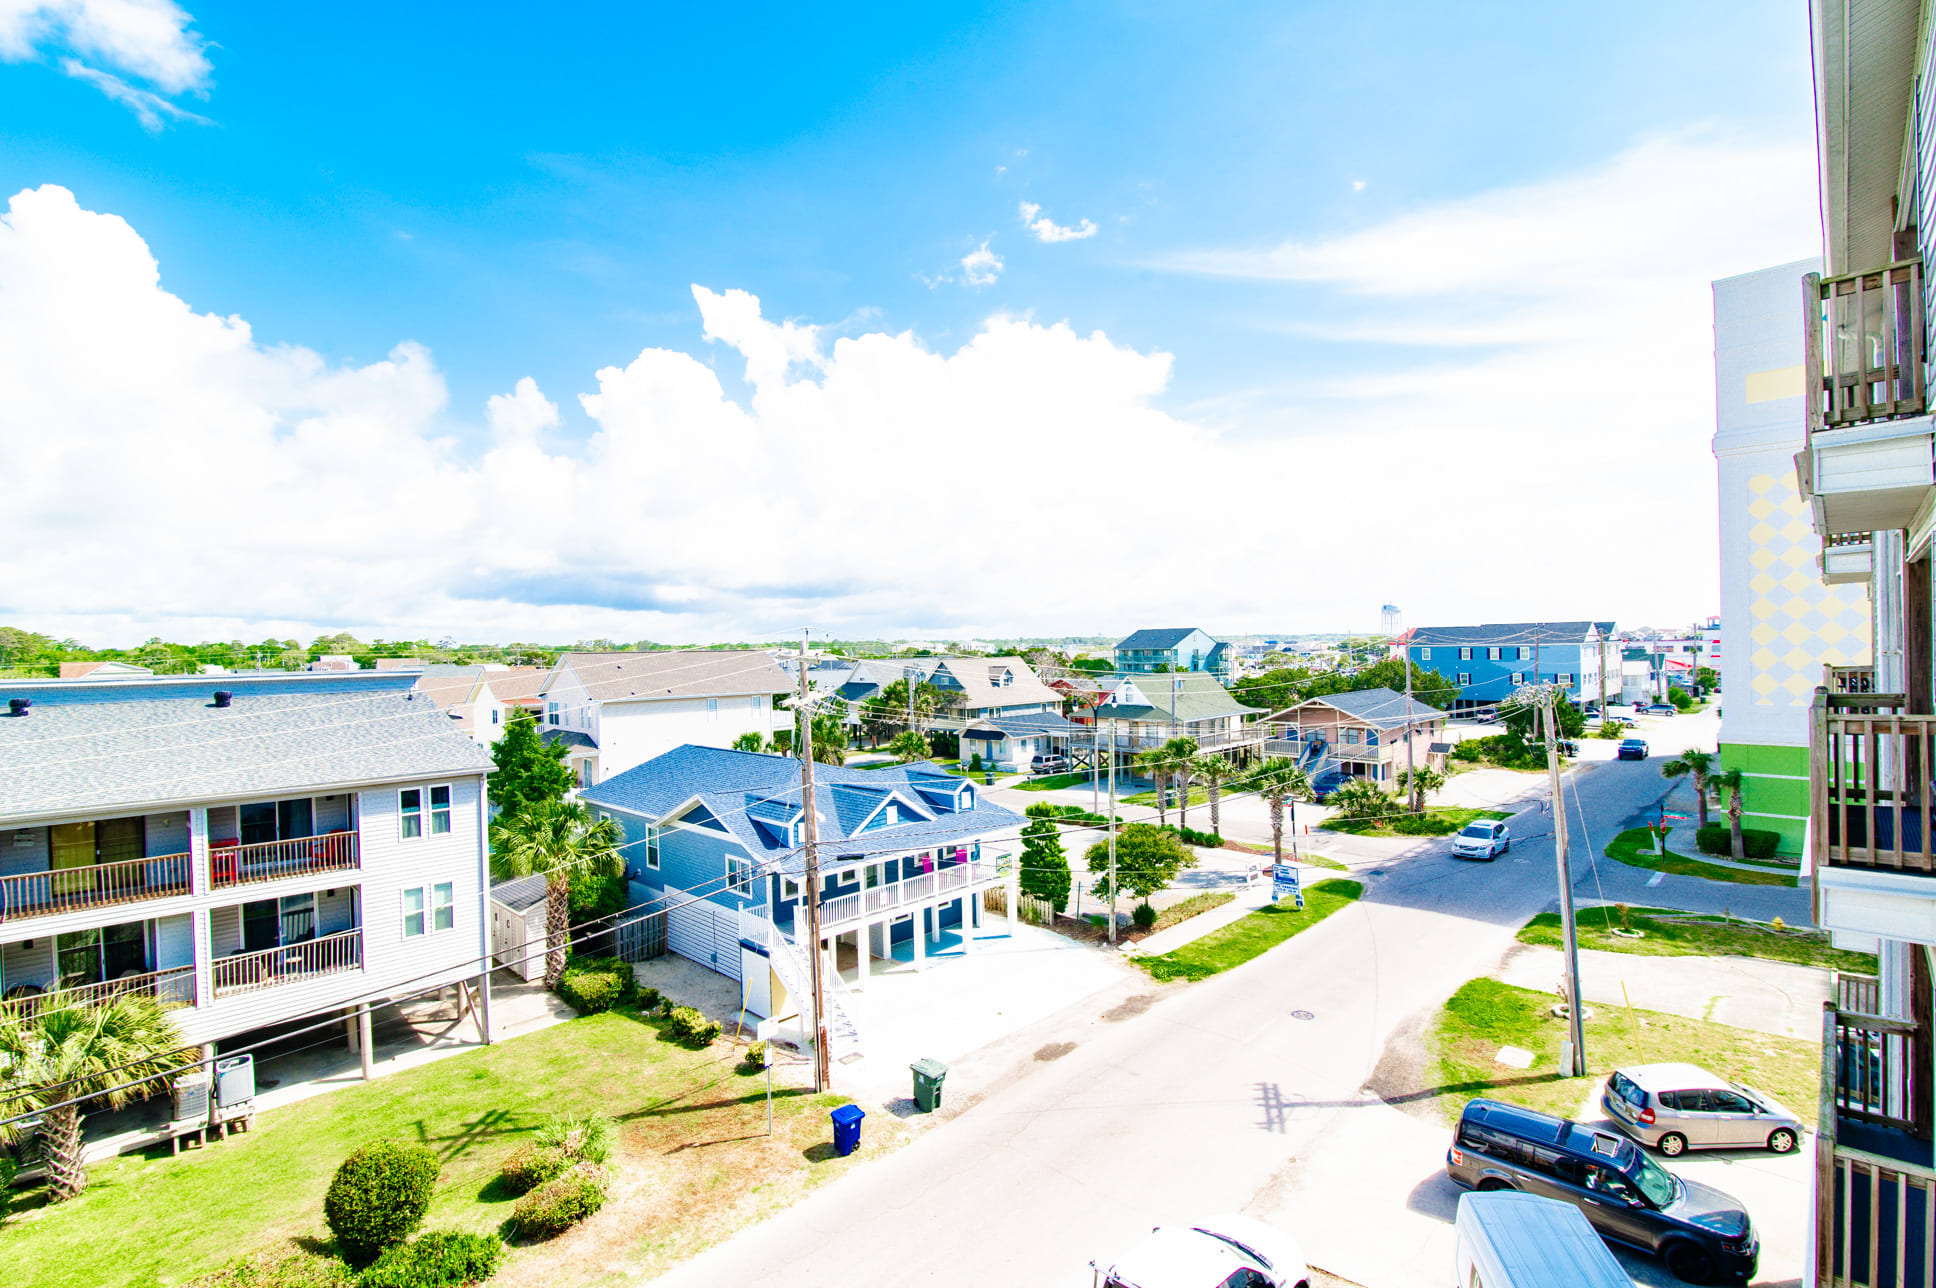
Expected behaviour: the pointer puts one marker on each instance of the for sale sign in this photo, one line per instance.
(1284, 884)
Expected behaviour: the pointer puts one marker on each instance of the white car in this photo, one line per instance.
(1481, 839)
(1224, 1252)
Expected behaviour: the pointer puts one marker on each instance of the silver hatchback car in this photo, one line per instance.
(1676, 1107)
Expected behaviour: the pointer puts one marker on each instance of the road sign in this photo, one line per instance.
(1284, 883)
(1680, 818)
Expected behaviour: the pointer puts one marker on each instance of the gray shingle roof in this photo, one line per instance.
(681, 673)
(126, 746)
(1504, 633)
(1157, 637)
(1380, 708)
(1195, 695)
(520, 893)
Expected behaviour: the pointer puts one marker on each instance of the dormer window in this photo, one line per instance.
(967, 798)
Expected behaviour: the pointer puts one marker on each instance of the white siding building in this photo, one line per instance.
(273, 849)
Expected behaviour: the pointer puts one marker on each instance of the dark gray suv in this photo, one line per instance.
(1701, 1233)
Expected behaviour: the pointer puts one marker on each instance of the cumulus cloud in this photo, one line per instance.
(522, 414)
(107, 42)
(1047, 230)
(980, 266)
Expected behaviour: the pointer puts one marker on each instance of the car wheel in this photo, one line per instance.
(1689, 1262)
(1672, 1144)
(1492, 1184)
(1782, 1141)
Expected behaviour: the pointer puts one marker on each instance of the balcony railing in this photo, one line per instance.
(1870, 783)
(1864, 338)
(269, 967)
(901, 894)
(1213, 740)
(172, 987)
(99, 885)
(1849, 679)
(230, 864)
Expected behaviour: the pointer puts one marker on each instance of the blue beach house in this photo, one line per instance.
(1488, 662)
(717, 837)
(1173, 648)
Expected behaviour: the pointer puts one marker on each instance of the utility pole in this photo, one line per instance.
(1411, 753)
(1603, 674)
(1547, 703)
(822, 1065)
(1109, 821)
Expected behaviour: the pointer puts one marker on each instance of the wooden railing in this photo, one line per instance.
(1875, 1217)
(1870, 788)
(232, 865)
(1874, 1072)
(247, 972)
(1848, 679)
(1863, 334)
(99, 885)
(1859, 993)
(172, 987)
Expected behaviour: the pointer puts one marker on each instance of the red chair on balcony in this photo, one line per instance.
(330, 847)
(221, 862)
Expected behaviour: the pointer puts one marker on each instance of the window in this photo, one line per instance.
(1492, 654)
(1350, 738)
(410, 810)
(1519, 677)
(439, 811)
(551, 713)
(1425, 655)
(1465, 655)
(712, 708)
(739, 872)
(753, 704)
(652, 846)
(1524, 652)
(1565, 677)
(413, 912)
(1464, 679)
(789, 888)
(443, 905)
(493, 715)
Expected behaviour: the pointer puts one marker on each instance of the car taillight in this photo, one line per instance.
(1456, 1158)
(1646, 1115)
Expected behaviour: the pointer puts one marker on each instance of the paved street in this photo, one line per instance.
(1216, 1095)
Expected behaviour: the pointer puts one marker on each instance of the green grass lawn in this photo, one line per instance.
(1253, 935)
(1635, 848)
(694, 1162)
(1442, 821)
(1668, 933)
(1198, 796)
(1485, 1015)
(1053, 783)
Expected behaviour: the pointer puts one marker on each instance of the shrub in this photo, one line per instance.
(8, 1170)
(559, 1204)
(1208, 840)
(1143, 916)
(688, 1025)
(755, 1057)
(440, 1259)
(531, 1165)
(378, 1197)
(1680, 698)
(594, 984)
(1756, 843)
(649, 1000)
(666, 1006)
(285, 1266)
(974, 763)
(581, 1140)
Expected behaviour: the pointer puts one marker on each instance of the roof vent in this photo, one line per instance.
(223, 697)
(18, 706)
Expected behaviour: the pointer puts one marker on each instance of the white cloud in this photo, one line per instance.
(980, 266)
(1047, 230)
(106, 42)
(522, 414)
(1357, 185)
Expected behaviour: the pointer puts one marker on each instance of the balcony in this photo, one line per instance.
(1875, 1185)
(1870, 783)
(289, 964)
(173, 987)
(95, 885)
(232, 864)
(886, 900)
(1845, 680)
(1250, 735)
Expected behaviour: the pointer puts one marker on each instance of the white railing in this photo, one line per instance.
(96, 885)
(913, 890)
(1209, 740)
(796, 973)
(247, 972)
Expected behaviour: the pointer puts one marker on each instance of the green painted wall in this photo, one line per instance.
(1775, 797)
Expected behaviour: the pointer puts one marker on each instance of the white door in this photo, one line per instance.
(756, 982)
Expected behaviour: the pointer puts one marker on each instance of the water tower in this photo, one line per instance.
(1389, 619)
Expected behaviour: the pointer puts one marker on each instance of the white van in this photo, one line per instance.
(1511, 1240)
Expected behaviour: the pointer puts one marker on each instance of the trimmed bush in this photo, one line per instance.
(283, 1266)
(559, 1204)
(755, 1057)
(529, 1166)
(440, 1259)
(594, 984)
(582, 1140)
(1208, 840)
(688, 1025)
(379, 1196)
(1142, 916)
(1756, 843)
(649, 999)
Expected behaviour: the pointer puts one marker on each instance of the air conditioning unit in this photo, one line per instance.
(191, 1096)
(234, 1081)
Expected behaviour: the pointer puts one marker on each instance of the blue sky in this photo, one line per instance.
(536, 194)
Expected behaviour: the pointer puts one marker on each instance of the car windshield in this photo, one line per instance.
(1656, 1182)
(1480, 831)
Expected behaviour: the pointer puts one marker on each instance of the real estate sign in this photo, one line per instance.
(1284, 884)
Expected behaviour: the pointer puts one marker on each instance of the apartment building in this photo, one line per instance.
(249, 849)
(1866, 471)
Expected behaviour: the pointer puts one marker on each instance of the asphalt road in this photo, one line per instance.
(1204, 1101)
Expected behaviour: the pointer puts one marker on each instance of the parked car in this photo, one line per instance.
(1631, 749)
(1048, 764)
(1510, 1240)
(1702, 1233)
(1675, 1107)
(1658, 709)
(1482, 839)
(1224, 1252)
(1567, 747)
(1326, 784)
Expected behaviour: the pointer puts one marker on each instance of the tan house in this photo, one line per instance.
(1364, 733)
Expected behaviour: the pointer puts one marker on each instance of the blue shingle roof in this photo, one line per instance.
(724, 781)
(1160, 637)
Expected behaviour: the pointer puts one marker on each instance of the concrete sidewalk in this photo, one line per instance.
(1741, 992)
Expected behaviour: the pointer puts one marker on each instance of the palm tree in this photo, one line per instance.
(1156, 764)
(1278, 780)
(1182, 755)
(65, 1054)
(1733, 782)
(1417, 782)
(908, 746)
(1700, 764)
(555, 839)
(1215, 771)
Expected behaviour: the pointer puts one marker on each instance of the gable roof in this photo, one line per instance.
(672, 673)
(1158, 637)
(1379, 708)
(748, 791)
(1503, 633)
(1194, 695)
(976, 675)
(135, 745)
(517, 686)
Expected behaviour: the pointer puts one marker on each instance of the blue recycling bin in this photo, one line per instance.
(847, 1128)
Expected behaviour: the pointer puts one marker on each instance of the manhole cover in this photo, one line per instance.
(1302, 1015)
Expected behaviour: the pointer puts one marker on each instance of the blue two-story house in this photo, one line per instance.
(1173, 648)
(1488, 662)
(718, 837)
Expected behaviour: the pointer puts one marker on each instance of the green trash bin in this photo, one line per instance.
(928, 1077)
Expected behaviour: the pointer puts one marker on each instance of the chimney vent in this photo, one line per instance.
(223, 697)
(18, 706)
